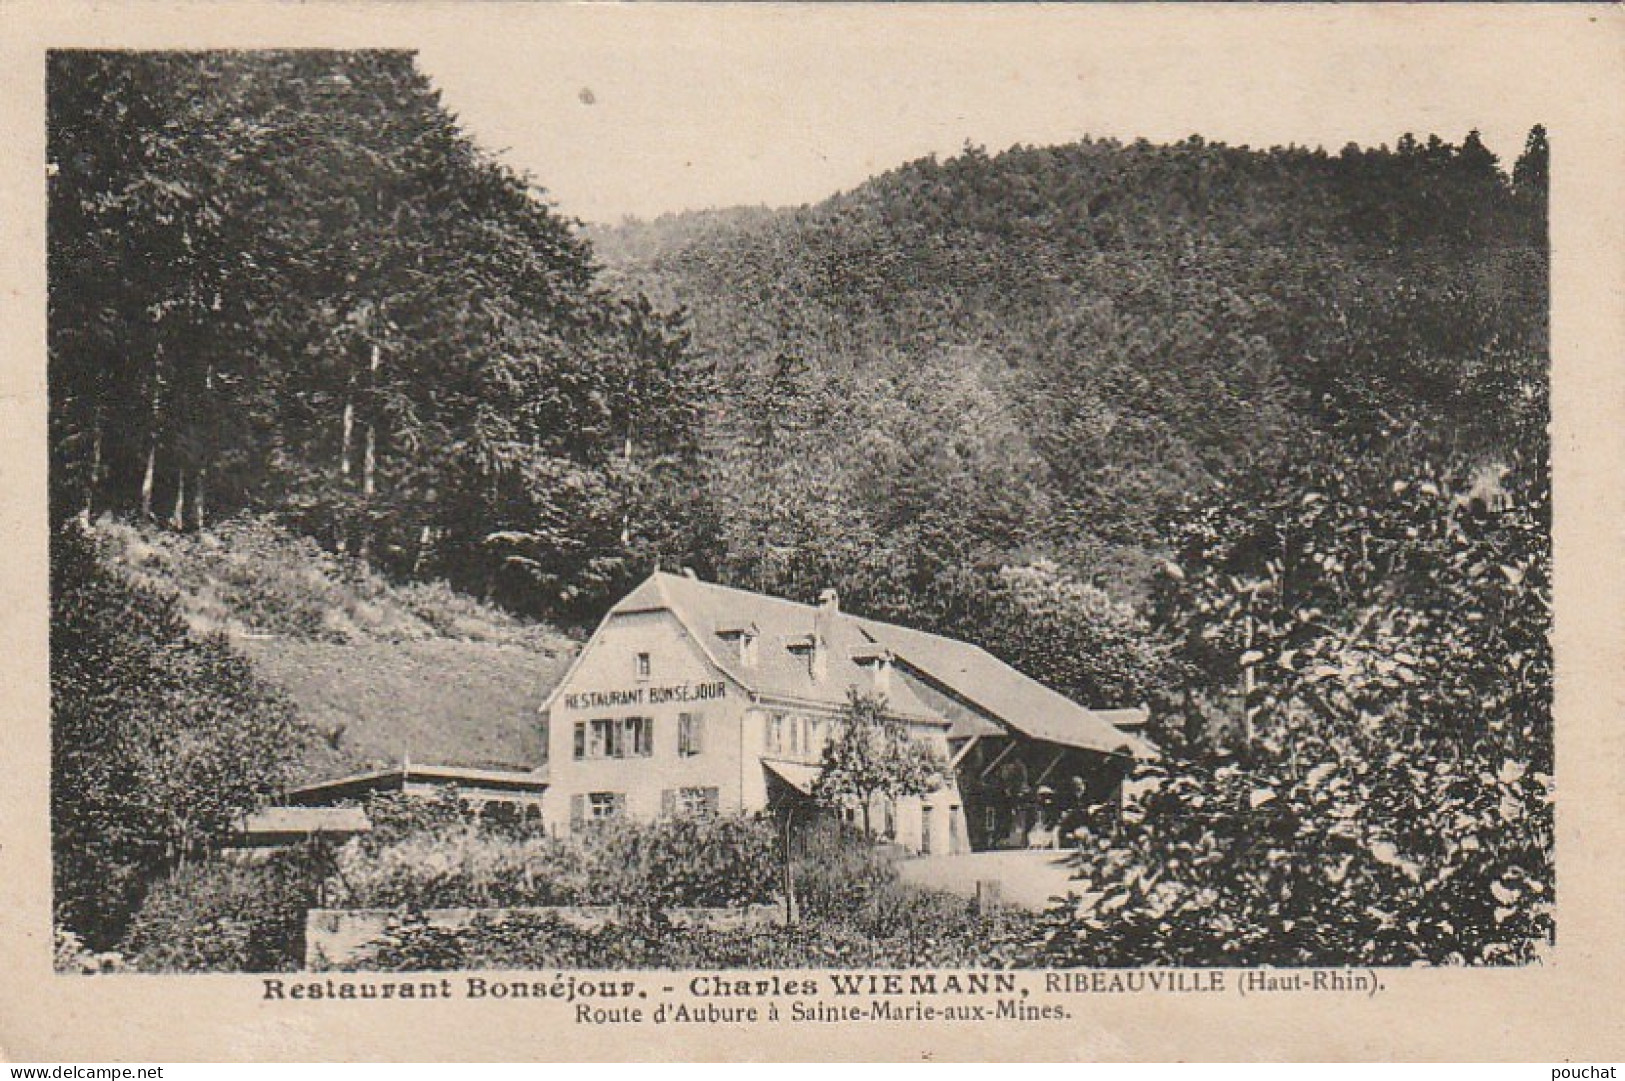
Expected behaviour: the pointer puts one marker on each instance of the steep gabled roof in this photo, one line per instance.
(714, 613)
(1012, 699)
(1016, 699)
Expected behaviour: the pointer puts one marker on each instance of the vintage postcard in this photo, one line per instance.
(792, 532)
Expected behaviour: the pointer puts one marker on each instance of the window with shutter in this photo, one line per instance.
(601, 805)
(581, 739)
(640, 736)
(696, 802)
(690, 734)
(668, 803)
(578, 810)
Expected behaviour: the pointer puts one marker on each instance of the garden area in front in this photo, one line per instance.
(613, 897)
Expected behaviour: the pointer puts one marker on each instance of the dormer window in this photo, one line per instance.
(742, 638)
(877, 660)
(805, 648)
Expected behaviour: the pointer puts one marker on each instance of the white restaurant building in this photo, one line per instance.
(692, 697)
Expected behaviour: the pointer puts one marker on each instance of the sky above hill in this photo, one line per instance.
(639, 110)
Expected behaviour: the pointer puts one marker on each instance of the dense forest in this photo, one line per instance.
(1044, 352)
(287, 282)
(1255, 436)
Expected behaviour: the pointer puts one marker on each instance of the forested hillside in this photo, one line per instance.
(1045, 352)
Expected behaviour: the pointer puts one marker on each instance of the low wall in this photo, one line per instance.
(333, 936)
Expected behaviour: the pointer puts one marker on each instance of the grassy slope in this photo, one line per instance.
(438, 701)
(379, 671)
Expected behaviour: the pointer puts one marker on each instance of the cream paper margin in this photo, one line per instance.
(1567, 1009)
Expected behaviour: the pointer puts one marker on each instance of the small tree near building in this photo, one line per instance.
(874, 755)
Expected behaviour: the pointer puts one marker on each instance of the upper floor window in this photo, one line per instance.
(614, 737)
(642, 666)
(773, 736)
(690, 734)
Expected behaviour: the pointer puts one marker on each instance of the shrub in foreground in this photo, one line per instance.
(225, 916)
(939, 931)
(435, 858)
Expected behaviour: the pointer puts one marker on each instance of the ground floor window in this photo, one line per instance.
(502, 812)
(692, 802)
(606, 804)
(596, 806)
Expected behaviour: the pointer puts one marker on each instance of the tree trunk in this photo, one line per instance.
(369, 461)
(95, 466)
(348, 430)
(207, 448)
(150, 475)
(626, 456)
(147, 476)
(178, 519)
(369, 464)
(346, 440)
(1249, 683)
(425, 537)
(369, 455)
(792, 911)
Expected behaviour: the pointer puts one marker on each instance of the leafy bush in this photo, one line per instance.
(855, 910)
(220, 916)
(435, 857)
(473, 868)
(837, 870)
(928, 929)
(397, 816)
(1389, 800)
(728, 861)
(159, 739)
(70, 955)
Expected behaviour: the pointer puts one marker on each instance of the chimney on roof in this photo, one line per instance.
(829, 609)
